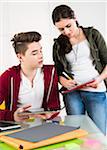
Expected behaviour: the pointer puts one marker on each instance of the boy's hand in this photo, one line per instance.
(19, 118)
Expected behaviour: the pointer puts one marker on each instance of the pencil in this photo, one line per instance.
(65, 74)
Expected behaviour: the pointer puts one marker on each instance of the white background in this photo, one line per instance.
(21, 16)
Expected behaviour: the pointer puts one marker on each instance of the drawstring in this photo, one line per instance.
(11, 103)
(50, 85)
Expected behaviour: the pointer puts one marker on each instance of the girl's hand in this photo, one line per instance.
(95, 84)
(67, 83)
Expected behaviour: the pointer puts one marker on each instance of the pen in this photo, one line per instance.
(65, 74)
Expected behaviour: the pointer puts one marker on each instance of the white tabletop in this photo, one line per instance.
(87, 124)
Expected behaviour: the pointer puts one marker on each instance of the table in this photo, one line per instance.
(95, 140)
(87, 124)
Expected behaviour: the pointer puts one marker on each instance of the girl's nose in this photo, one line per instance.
(66, 31)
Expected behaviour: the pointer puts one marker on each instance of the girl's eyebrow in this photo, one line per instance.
(61, 28)
(65, 26)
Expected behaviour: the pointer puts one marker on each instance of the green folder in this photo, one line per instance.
(4, 146)
(61, 144)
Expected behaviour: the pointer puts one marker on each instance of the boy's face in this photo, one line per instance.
(67, 27)
(33, 57)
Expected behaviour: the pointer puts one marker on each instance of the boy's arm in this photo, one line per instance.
(5, 114)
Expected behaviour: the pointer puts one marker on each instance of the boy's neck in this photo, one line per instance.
(29, 72)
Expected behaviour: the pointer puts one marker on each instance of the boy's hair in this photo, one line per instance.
(21, 40)
(62, 12)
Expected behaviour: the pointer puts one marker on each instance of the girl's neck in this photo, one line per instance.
(79, 36)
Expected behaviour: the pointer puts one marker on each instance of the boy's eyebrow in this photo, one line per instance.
(34, 51)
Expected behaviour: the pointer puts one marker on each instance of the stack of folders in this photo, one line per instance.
(42, 135)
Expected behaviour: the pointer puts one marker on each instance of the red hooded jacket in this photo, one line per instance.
(9, 90)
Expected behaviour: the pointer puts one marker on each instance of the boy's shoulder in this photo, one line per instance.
(48, 66)
(11, 71)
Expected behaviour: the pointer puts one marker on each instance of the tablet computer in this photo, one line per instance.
(38, 112)
(6, 125)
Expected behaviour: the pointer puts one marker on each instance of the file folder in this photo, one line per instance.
(64, 90)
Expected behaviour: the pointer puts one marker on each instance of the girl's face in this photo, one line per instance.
(67, 27)
(33, 57)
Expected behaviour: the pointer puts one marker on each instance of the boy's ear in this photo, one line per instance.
(19, 56)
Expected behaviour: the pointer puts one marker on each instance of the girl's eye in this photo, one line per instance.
(61, 29)
(68, 26)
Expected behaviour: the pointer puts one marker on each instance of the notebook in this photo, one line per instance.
(42, 132)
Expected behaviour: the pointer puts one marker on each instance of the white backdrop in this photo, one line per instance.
(36, 16)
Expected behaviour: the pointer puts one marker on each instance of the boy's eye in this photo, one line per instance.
(34, 54)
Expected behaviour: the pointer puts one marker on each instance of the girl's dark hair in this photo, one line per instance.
(21, 40)
(62, 11)
(64, 45)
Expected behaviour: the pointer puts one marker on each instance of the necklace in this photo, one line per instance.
(75, 47)
(75, 51)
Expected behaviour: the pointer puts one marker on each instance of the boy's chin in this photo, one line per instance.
(40, 65)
